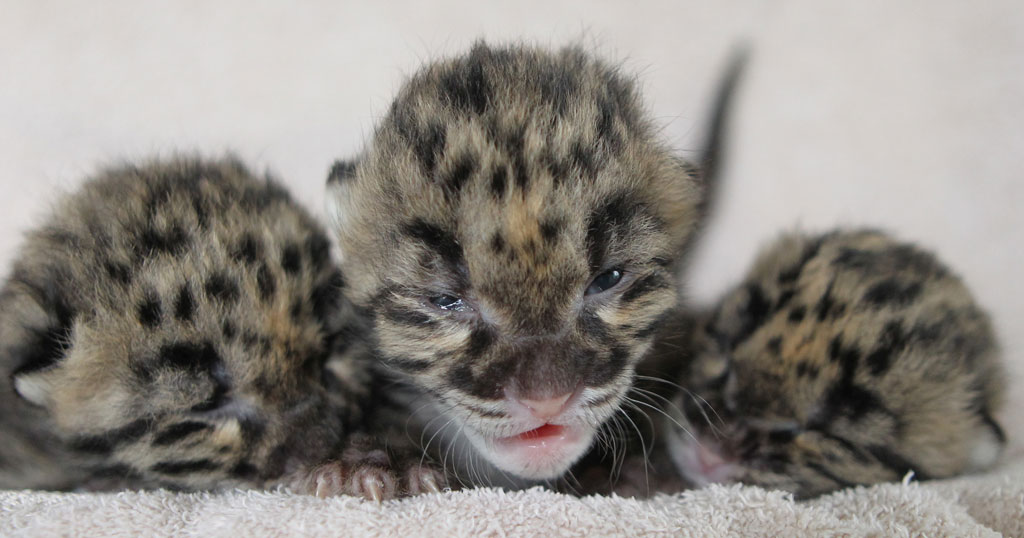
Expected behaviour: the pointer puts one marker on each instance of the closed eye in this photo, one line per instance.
(784, 432)
(717, 382)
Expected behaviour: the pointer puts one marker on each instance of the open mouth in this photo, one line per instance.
(542, 453)
(546, 440)
(547, 430)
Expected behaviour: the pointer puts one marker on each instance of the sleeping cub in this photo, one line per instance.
(175, 323)
(846, 358)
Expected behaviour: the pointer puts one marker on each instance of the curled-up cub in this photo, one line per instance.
(846, 358)
(177, 323)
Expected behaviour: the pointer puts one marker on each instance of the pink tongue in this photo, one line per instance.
(547, 430)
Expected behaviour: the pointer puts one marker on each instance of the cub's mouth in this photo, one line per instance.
(535, 438)
(547, 436)
(540, 434)
(540, 453)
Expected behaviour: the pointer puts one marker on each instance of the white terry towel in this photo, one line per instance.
(990, 504)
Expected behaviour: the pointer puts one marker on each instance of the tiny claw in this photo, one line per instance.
(324, 480)
(374, 488)
(321, 488)
(429, 483)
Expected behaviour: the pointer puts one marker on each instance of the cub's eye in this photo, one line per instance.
(604, 281)
(784, 432)
(712, 371)
(449, 302)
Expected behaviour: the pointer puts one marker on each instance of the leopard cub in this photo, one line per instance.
(845, 358)
(512, 231)
(174, 324)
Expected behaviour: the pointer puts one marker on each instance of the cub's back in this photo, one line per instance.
(168, 326)
(843, 358)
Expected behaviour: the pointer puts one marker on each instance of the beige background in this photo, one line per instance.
(903, 115)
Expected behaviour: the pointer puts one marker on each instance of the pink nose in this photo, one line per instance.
(546, 408)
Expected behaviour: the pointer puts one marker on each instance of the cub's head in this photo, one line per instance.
(512, 228)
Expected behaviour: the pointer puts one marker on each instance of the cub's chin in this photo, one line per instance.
(541, 453)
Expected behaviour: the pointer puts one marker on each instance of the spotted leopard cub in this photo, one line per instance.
(846, 358)
(512, 231)
(176, 324)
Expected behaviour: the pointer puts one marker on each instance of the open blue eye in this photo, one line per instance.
(449, 302)
(604, 281)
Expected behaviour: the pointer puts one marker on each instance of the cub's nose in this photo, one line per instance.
(547, 407)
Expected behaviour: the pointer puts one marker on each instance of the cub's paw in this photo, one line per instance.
(370, 473)
(335, 478)
(421, 479)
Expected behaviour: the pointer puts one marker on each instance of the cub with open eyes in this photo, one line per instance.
(846, 358)
(175, 324)
(512, 230)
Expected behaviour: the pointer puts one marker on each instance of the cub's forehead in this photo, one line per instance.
(515, 85)
(512, 115)
(507, 157)
(551, 128)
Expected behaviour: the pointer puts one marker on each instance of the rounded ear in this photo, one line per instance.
(341, 171)
(340, 181)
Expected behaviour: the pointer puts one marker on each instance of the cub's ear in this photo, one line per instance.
(340, 181)
(341, 171)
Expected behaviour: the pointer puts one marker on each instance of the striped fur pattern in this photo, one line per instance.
(845, 358)
(512, 231)
(173, 324)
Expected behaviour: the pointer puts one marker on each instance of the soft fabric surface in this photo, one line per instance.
(990, 504)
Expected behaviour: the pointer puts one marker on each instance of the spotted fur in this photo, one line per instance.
(846, 358)
(175, 324)
(499, 188)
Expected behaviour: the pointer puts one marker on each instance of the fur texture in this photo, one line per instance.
(512, 231)
(845, 358)
(175, 324)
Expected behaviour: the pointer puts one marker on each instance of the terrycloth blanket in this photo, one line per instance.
(990, 504)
